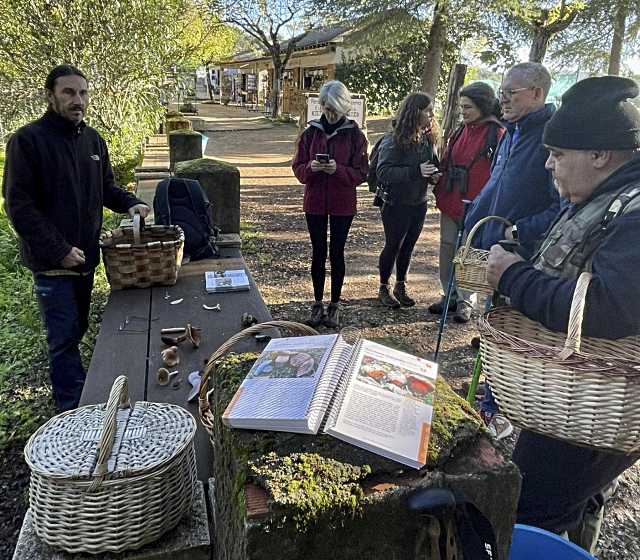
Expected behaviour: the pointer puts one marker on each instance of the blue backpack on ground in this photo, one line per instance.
(183, 202)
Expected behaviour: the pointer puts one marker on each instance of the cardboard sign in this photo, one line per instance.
(357, 110)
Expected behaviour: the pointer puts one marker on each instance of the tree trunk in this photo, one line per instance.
(622, 10)
(278, 71)
(452, 108)
(433, 56)
(209, 82)
(539, 46)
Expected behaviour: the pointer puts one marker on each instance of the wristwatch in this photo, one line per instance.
(514, 232)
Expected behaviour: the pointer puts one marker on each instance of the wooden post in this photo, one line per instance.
(450, 118)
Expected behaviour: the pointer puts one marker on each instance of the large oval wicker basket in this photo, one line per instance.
(140, 256)
(471, 264)
(574, 388)
(206, 414)
(111, 477)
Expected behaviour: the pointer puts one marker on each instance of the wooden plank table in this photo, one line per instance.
(121, 351)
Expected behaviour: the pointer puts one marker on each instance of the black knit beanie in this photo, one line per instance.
(596, 114)
(483, 97)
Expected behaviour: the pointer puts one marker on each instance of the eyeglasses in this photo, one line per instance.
(508, 93)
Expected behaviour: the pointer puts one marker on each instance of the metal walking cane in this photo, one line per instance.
(443, 319)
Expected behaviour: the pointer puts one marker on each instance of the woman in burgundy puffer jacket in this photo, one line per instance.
(331, 161)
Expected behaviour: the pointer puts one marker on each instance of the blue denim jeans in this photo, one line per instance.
(64, 305)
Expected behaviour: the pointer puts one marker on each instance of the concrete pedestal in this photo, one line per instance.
(221, 183)
(184, 145)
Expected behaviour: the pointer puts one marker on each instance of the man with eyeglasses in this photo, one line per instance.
(519, 189)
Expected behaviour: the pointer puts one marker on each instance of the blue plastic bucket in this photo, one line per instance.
(531, 543)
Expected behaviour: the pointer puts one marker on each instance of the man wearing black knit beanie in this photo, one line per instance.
(593, 142)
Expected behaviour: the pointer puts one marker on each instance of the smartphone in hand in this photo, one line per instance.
(323, 158)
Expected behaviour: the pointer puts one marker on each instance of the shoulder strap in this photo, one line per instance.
(490, 144)
(618, 205)
(161, 207)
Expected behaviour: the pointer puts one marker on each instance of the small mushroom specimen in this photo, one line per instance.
(164, 376)
(170, 356)
(194, 335)
(174, 340)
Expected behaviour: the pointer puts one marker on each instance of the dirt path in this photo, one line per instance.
(271, 201)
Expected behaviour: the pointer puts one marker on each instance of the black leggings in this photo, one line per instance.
(339, 229)
(402, 228)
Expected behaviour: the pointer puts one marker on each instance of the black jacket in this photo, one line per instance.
(399, 167)
(57, 178)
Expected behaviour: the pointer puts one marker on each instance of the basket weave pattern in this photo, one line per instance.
(470, 265)
(109, 479)
(207, 417)
(143, 257)
(583, 390)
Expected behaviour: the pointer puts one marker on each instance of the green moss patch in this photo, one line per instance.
(310, 485)
(204, 165)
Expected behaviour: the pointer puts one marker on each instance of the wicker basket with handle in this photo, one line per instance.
(111, 477)
(140, 256)
(206, 414)
(574, 388)
(471, 264)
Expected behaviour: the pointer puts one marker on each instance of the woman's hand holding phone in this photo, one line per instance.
(427, 169)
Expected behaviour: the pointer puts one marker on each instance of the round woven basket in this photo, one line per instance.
(111, 478)
(140, 256)
(471, 264)
(583, 390)
(206, 414)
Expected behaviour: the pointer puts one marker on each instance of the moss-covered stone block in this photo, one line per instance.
(176, 123)
(184, 145)
(221, 183)
(283, 495)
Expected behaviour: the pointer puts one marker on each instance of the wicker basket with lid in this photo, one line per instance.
(111, 477)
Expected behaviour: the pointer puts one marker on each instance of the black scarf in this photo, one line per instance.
(328, 127)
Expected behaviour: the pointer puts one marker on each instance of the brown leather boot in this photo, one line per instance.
(317, 314)
(332, 318)
(400, 293)
(385, 297)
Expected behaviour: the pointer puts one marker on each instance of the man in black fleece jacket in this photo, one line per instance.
(57, 179)
(593, 142)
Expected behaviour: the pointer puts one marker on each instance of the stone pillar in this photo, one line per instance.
(184, 145)
(284, 495)
(176, 123)
(221, 183)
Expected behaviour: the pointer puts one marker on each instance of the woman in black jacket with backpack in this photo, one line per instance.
(407, 164)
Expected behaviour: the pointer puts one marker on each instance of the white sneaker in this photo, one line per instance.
(500, 427)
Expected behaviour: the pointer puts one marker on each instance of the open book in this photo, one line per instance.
(226, 281)
(366, 394)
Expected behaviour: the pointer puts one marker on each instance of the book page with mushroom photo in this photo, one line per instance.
(387, 405)
(278, 390)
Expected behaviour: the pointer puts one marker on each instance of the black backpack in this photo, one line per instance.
(372, 175)
(183, 202)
